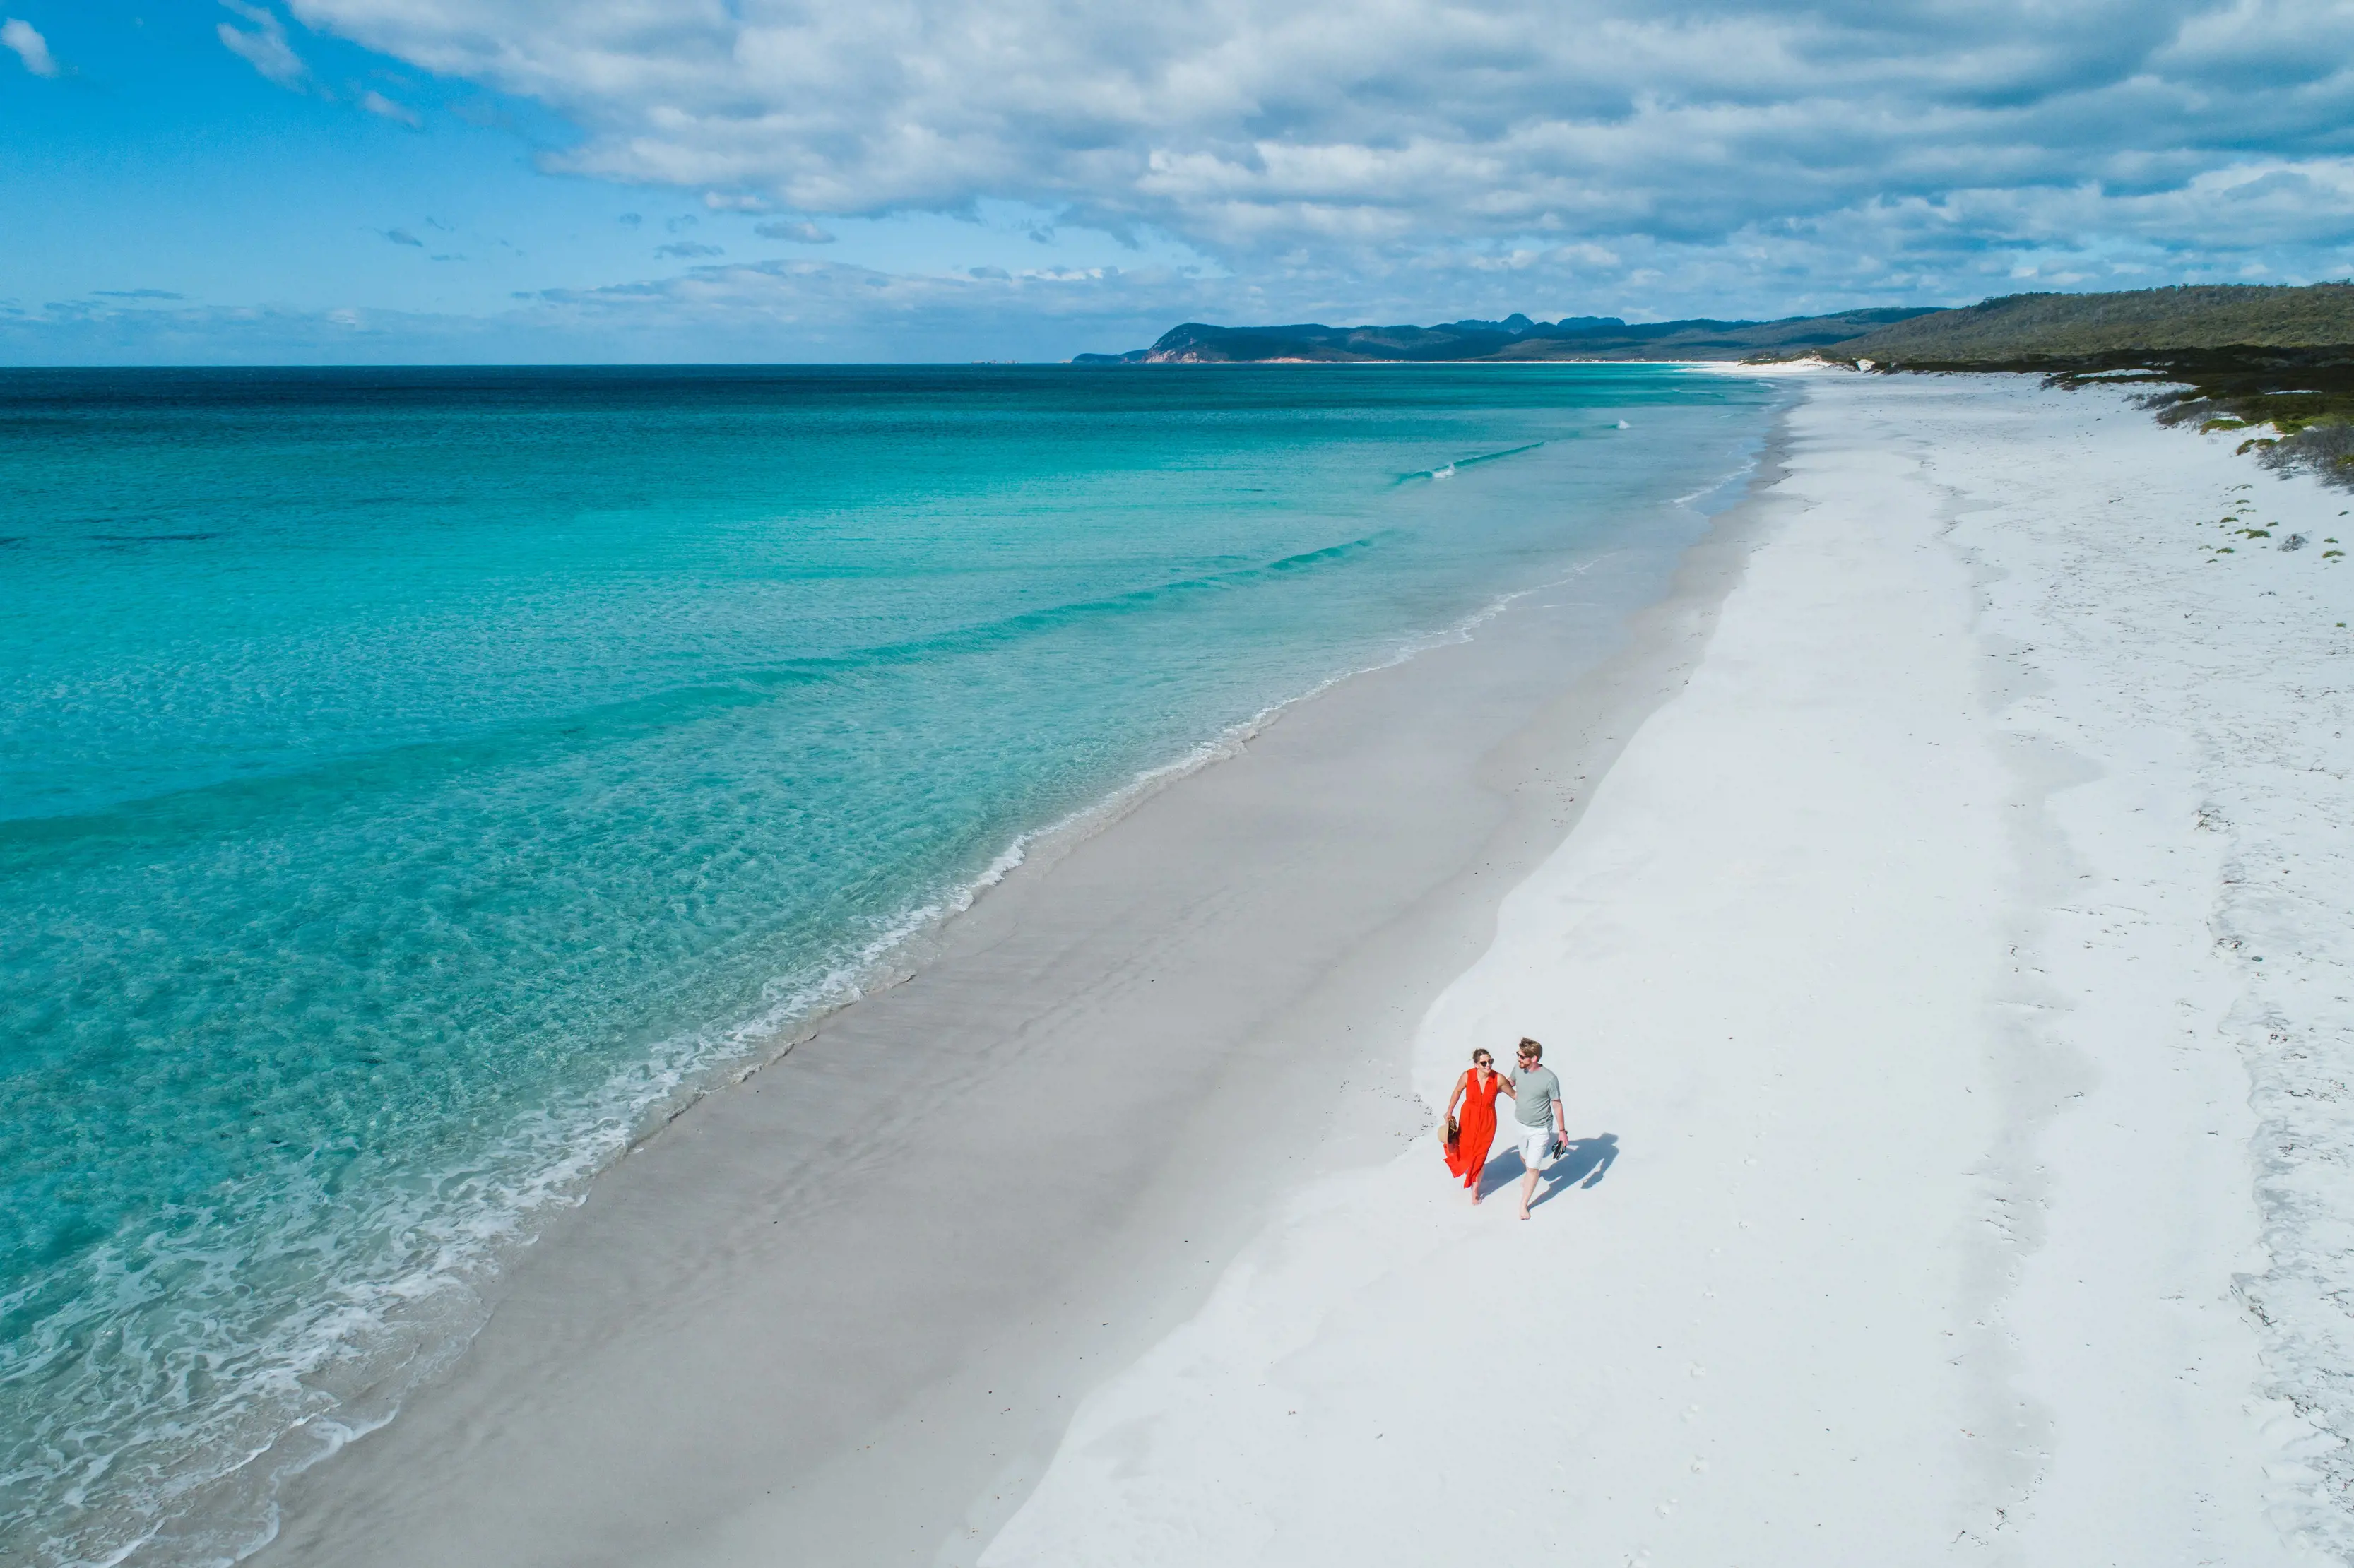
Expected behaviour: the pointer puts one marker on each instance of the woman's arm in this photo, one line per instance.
(1461, 1083)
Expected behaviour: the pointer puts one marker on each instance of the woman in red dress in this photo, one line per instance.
(1466, 1151)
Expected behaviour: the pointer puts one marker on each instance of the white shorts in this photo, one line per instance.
(1536, 1144)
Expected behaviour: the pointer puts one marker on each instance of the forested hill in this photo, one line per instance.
(2023, 331)
(2194, 332)
(2276, 363)
(1516, 337)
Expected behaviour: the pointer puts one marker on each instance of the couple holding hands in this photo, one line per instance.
(1536, 1105)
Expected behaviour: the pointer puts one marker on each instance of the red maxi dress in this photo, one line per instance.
(1468, 1155)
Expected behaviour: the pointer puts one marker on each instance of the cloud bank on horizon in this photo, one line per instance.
(1364, 159)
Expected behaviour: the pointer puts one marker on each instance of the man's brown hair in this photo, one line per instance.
(1532, 1049)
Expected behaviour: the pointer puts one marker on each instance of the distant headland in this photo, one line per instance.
(2244, 323)
(1516, 337)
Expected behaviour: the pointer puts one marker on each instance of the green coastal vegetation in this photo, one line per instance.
(2031, 330)
(2274, 361)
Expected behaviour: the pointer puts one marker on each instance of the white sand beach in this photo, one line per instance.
(1939, 917)
(1951, 987)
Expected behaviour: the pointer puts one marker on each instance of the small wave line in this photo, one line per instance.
(1447, 470)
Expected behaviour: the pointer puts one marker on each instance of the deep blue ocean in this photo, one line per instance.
(412, 781)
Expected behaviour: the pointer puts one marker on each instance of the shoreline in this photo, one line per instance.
(553, 1486)
(1727, 366)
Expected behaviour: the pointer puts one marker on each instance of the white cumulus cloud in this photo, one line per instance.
(1404, 157)
(29, 47)
(799, 230)
(264, 47)
(376, 104)
(1372, 123)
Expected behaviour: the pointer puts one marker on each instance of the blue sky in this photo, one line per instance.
(393, 180)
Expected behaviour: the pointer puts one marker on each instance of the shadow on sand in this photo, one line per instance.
(1582, 1162)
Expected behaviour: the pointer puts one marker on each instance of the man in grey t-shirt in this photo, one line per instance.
(1536, 1102)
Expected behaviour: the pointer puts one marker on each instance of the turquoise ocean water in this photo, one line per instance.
(413, 781)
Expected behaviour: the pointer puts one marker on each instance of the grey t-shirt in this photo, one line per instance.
(1534, 1093)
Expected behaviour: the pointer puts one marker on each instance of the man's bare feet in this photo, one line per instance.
(1525, 1213)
